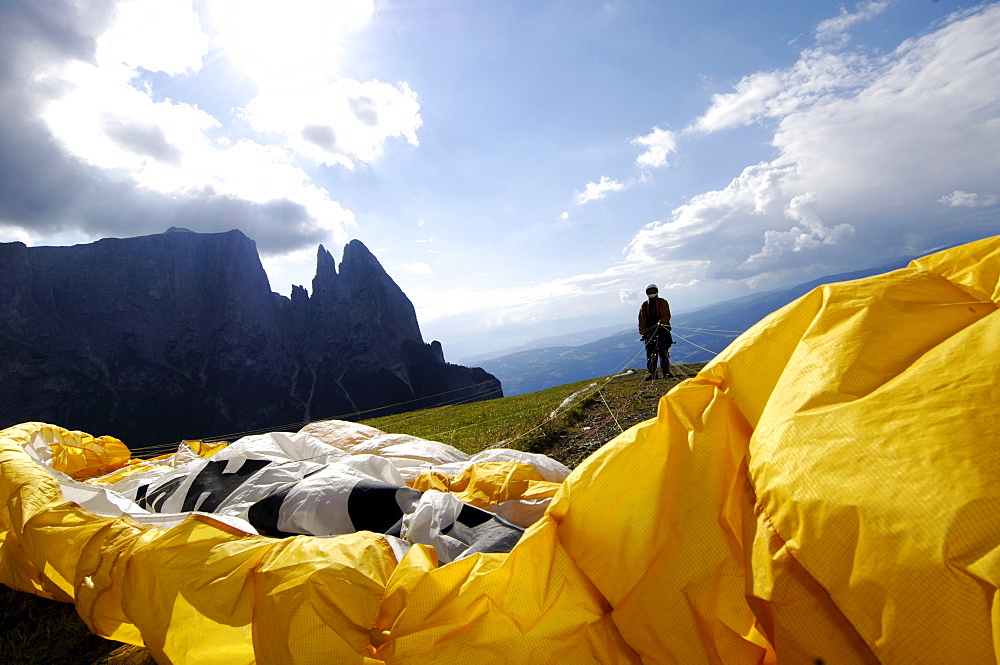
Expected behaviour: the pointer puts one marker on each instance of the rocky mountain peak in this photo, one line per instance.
(176, 335)
(374, 304)
(325, 281)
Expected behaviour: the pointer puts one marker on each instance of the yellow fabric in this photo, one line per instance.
(826, 490)
(489, 483)
(135, 465)
(80, 455)
(206, 448)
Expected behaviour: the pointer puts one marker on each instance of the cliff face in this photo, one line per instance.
(176, 335)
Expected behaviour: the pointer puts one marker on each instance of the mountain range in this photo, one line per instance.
(698, 336)
(178, 335)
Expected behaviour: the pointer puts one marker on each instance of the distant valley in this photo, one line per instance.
(698, 337)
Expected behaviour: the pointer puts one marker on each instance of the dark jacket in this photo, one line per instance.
(647, 323)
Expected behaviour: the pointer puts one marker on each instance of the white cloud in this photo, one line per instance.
(958, 198)
(564, 216)
(808, 233)
(164, 147)
(835, 29)
(103, 111)
(337, 122)
(926, 123)
(598, 190)
(818, 77)
(628, 295)
(759, 193)
(659, 143)
(159, 36)
(866, 140)
(613, 8)
(102, 120)
(294, 53)
(297, 267)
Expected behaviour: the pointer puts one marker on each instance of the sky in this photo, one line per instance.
(521, 168)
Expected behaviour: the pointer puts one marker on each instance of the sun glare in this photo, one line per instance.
(279, 43)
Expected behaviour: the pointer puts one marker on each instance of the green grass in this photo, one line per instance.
(518, 420)
(525, 422)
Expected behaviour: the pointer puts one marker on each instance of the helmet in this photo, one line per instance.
(651, 289)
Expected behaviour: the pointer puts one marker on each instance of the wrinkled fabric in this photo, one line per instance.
(282, 484)
(826, 490)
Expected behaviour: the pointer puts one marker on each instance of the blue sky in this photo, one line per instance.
(521, 169)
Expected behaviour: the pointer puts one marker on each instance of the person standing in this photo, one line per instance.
(654, 327)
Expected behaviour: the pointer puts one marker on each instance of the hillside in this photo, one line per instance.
(566, 422)
(39, 631)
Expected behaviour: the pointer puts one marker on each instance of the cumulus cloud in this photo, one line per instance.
(294, 57)
(710, 221)
(926, 123)
(817, 78)
(98, 149)
(659, 144)
(159, 37)
(143, 139)
(808, 233)
(598, 190)
(958, 198)
(344, 122)
(865, 144)
(821, 75)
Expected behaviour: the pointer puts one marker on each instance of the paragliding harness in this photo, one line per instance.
(657, 338)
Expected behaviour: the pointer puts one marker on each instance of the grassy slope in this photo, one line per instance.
(602, 409)
(38, 631)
